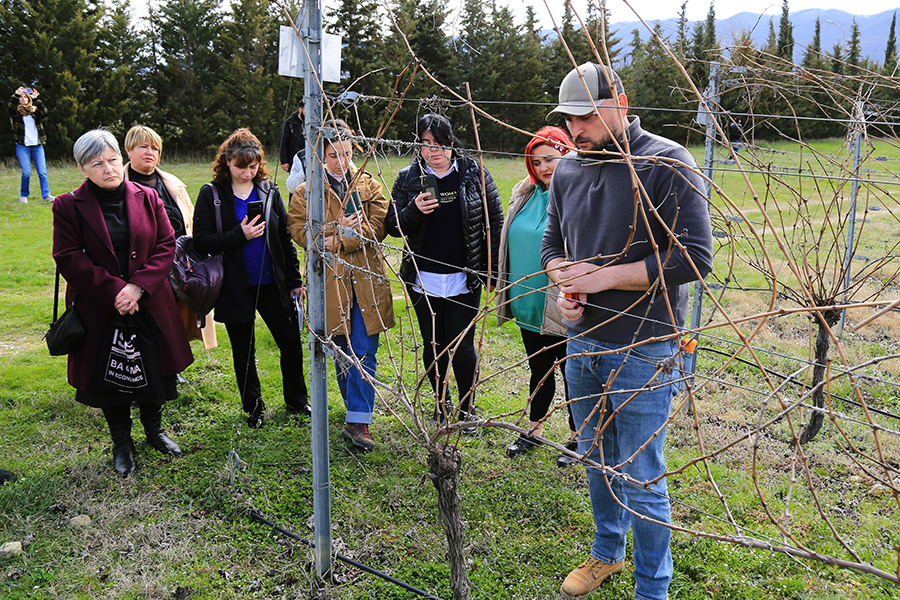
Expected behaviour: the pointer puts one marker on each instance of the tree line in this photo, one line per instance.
(195, 71)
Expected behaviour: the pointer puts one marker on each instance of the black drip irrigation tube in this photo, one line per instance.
(349, 561)
(783, 377)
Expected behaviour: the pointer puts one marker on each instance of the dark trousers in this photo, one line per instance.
(286, 333)
(439, 338)
(541, 362)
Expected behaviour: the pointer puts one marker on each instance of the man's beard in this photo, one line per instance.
(594, 148)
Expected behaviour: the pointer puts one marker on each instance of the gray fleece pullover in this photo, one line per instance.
(596, 208)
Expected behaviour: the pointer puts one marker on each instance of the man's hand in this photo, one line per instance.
(286, 167)
(571, 310)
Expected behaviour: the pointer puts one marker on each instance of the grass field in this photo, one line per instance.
(181, 529)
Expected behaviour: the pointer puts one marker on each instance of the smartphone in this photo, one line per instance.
(254, 209)
(431, 185)
(354, 204)
(29, 91)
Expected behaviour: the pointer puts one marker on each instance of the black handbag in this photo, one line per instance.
(196, 278)
(67, 332)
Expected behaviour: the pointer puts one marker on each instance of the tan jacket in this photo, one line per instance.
(178, 190)
(367, 275)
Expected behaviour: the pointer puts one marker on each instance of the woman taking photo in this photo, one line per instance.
(452, 246)
(113, 244)
(526, 294)
(358, 302)
(261, 269)
(144, 149)
(26, 113)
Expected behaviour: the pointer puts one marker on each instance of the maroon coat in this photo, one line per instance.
(90, 273)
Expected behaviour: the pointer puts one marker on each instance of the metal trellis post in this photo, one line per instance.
(712, 103)
(315, 280)
(859, 123)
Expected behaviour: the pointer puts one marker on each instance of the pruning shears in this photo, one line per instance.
(572, 297)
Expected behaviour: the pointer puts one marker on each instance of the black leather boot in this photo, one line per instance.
(119, 420)
(151, 418)
(255, 413)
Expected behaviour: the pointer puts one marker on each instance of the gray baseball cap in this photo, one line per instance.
(573, 98)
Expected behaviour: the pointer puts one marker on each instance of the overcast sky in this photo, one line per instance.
(651, 10)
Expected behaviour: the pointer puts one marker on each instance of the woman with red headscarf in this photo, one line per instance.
(526, 294)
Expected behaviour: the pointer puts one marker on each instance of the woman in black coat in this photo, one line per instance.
(452, 244)
(262, 273)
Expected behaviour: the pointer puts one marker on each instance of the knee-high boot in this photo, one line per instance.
(119, 420)
(151, 418)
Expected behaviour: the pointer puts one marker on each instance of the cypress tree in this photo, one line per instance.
(785, 35)
(890, 50)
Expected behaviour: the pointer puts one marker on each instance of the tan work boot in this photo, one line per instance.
(588, 576)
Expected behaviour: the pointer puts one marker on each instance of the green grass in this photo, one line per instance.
(185, 525)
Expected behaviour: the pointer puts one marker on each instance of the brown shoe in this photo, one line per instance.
(588, 577)
(358, 435)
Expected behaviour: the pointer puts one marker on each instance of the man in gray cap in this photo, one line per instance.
(628, 229)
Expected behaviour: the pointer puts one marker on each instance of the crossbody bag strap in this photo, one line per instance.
(79, 218)
(218, 204)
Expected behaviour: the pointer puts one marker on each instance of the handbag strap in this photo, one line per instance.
(79, 218)
(218, 204)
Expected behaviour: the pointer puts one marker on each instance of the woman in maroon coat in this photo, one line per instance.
(113, 243)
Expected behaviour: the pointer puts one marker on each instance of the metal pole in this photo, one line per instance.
(712, 102)
(860, 124)
(315, 281)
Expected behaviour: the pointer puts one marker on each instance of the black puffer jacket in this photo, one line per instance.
(405, 220)
(235, 303)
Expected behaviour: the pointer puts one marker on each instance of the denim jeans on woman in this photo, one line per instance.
(26, 154)
(358, 394)
(641, 417)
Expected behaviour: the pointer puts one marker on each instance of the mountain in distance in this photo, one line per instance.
(873, 30)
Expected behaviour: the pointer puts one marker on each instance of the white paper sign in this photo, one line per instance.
(291, 55)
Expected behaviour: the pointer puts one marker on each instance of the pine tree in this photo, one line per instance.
(853, 49)
(190, 91)
(812, 58)
(51, 45)
(358, 22)
(121, 71)
(837, 59)
(654, 86)
(785, 35)
(681, 41)
(771, 47)
(890, 50)
(248, 54)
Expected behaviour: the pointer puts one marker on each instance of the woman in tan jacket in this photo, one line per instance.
(358, 302)
(144, 149)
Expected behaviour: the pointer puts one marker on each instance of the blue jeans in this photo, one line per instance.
(637, 422)
(26, 154)
(358, 394)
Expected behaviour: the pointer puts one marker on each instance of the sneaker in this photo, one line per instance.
(523, 444)
(588, 576)
(469, 417)
(358, 435)
(564, 460)
(48, 199)
(23, 199)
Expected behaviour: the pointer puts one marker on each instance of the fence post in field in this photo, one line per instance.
(859, 125)
(315, 282)
(709, 158)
